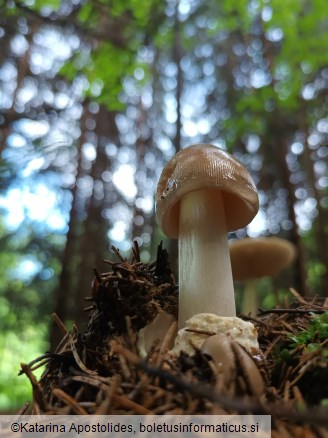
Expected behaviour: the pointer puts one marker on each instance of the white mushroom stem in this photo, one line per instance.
(250, 301)
(205, 278)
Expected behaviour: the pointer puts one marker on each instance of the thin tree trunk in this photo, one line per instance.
(64, 288)
(177, 55)
(94, 244)
(141, 148)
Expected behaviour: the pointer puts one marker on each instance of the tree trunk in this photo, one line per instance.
(94, 244)
(68, 262)
(177, 55)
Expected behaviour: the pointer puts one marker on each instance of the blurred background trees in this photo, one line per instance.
(97, 95)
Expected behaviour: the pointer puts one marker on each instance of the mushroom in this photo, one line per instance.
(233, 361)
(155, 332)
(204, 192)
(252, 259)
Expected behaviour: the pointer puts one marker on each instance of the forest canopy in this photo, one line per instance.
(97, 95)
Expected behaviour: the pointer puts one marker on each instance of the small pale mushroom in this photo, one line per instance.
(154, 333)
(204, 192)
(252, 259)
(232, 362)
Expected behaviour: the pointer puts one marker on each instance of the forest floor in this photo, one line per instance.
(101, 372)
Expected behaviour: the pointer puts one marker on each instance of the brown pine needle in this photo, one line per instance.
(69, 401)
(59, 323)
(77, 358)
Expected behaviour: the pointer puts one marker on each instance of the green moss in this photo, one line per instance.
(316, 332)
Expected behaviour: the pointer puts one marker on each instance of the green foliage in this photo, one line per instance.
(281, 355)
(15, 348)
(121, 27)
(309, 339)
(316, 270)
(228, 16)
(52, 5)
(23, 297)
(110, 66)
(141, 10)
(105, 73)
(292, 61)
(302, 49)
(271, 298)
(316, 332)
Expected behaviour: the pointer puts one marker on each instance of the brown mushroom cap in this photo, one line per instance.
(205, 166)
(262, 257)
